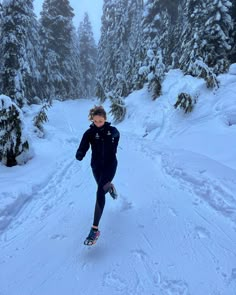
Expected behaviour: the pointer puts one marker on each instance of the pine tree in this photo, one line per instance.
(134, 17)
(14, 146)
(185, 102)
(118, 109)
(133, 42)
(155, 25)
(190, 46)
(100, 92)
(217, 32)
(40, 119)
(174, 27)
(120, 39)
(1, 18)
(61, 68)
(106, 60)
(232, 55)
(20, 73)
(169, 29)
(206, 41)
(88, 57)
(118, 46)
(161, 25)
(1, 54)
(74, 68)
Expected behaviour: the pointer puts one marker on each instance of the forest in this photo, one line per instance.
(48, 58)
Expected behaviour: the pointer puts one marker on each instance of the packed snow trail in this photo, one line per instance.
(167, 233)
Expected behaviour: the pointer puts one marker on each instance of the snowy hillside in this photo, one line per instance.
(172, 230)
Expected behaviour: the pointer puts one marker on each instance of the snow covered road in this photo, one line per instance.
(171, 232)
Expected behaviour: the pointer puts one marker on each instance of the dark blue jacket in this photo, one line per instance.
(103, 142)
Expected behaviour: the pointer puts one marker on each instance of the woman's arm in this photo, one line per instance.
(83, 147)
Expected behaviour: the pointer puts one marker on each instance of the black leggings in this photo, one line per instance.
(103, 178)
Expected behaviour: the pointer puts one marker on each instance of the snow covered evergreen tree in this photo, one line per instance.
(61, 67)
(206, 42)
(106, 61)
(40, 119)
(100, 92)
(88, 57)
(217, 32)
(175, 28)
(20, 72)
(74, 71)
(155, 26)
(132, 43)
(185, 102)
(1, 60)
(191, 34)
(233, 33)
(169, 28)
(120, 40)
(118, 109)
(14, 145)
(1, 11)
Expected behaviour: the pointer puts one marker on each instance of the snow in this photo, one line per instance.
(5, 102)
(232, 69)
(150, 53)
(143, 70)
(172, 229)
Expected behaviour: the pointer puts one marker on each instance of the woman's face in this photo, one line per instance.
(99, 121)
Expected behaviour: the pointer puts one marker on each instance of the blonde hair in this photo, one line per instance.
(97, 111)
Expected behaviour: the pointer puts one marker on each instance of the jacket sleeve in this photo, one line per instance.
(116, 136)
(83, 147)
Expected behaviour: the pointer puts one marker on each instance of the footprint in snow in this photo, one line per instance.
(111, 279)
(201, 232)
(173, 212)
(174, 287)
(139, 253)
(71, 204)
(57, 237)
(126, 205)
(233, 275)
(196, 202)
